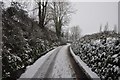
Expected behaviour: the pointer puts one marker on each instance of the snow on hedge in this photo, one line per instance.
(101, 55)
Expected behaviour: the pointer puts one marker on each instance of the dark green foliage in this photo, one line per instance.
(23, 41)
(101, 52)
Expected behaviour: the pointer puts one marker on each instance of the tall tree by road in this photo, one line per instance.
(42, 6)
(61, 14)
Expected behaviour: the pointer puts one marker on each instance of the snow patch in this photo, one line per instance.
(31, 70)
(84, 66)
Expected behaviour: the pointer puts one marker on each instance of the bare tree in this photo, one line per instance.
(75, 32)
(115, 29)
(61, 13)
(101, 28)
(42, 6)
(67, 33)
(106, 27)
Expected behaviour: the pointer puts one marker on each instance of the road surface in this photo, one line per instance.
(58, 64)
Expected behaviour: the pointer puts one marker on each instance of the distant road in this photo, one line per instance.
(59, 64)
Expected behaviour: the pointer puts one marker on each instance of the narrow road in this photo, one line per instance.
(60, 64)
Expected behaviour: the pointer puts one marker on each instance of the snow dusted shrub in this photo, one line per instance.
(102, 55)
(21, 45)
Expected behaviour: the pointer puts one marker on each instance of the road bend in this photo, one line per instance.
(61, 64)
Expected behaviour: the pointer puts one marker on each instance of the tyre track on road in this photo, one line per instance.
(44, 70)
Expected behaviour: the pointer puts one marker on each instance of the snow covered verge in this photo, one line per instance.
(84, 66)
(102, 55)
(31, 70)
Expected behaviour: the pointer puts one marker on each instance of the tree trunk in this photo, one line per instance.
(39, 13)
(42, 13)
(58, 28)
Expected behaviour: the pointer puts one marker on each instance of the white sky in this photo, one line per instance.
(94, 0)
(90, 15)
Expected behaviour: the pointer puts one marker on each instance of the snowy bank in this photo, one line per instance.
(84, 67)
(101, 55)
(31, 70)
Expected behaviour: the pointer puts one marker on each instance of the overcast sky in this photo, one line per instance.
(90, 15)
